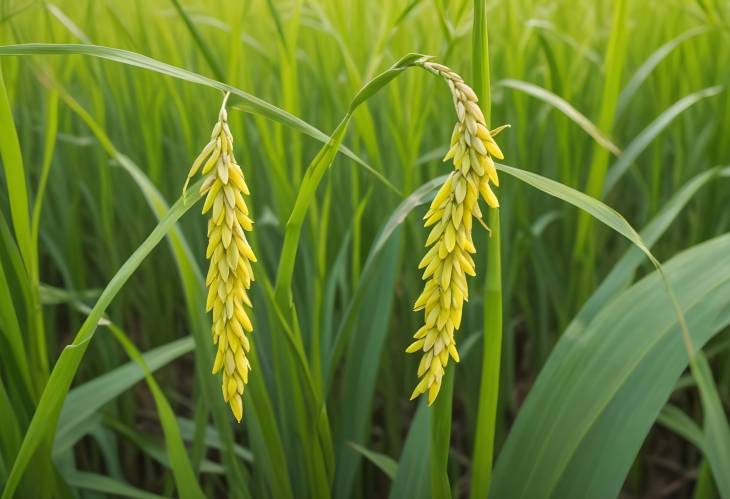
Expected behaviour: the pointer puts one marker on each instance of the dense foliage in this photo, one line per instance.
(625, 101)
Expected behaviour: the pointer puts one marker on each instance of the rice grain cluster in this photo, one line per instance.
(449, 261)
(230, 273)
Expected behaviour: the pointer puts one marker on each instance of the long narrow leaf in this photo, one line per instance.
(622, 273)
(251, 103)
(676, 420)
(45, 418)
(385, 463)
(641, 74)
(571, 437)
(187, 484)
(637, 146)
(86, 400)
(566, 108)
(716, 428)
(411, 478)
(592, 206)
(15, 177)
(105, 485)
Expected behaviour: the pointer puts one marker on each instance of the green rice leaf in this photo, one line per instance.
(651, 62)
(86, 400)
(199, 41)
(673, 418)
(716, 428)
(376, 291)
(622, 273)
(11, 333)
(185, 479)
(15, 178)
(592, 206)
(153, 448)
(49, 143)
(566, 108)
(10, 436)
(571, 438)
(46, 415)
(211, 437)
(251, 103)
(413, 464)
(420, 196)
(385, 463)
(641, 141)
(373, 86)
(103, 484)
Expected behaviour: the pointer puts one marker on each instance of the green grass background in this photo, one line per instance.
(626, 101)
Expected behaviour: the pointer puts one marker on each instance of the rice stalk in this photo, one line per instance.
(449, 261)
(230, 273)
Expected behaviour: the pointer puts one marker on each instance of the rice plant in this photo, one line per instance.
(588, 344)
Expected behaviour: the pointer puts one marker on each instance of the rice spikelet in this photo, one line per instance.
(449, 261)
(230, 274)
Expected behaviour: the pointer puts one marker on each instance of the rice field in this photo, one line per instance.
(350, 248)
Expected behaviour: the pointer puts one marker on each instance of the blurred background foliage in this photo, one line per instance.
(641, 93)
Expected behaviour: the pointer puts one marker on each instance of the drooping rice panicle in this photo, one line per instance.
(230, 273)
(449, 261)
